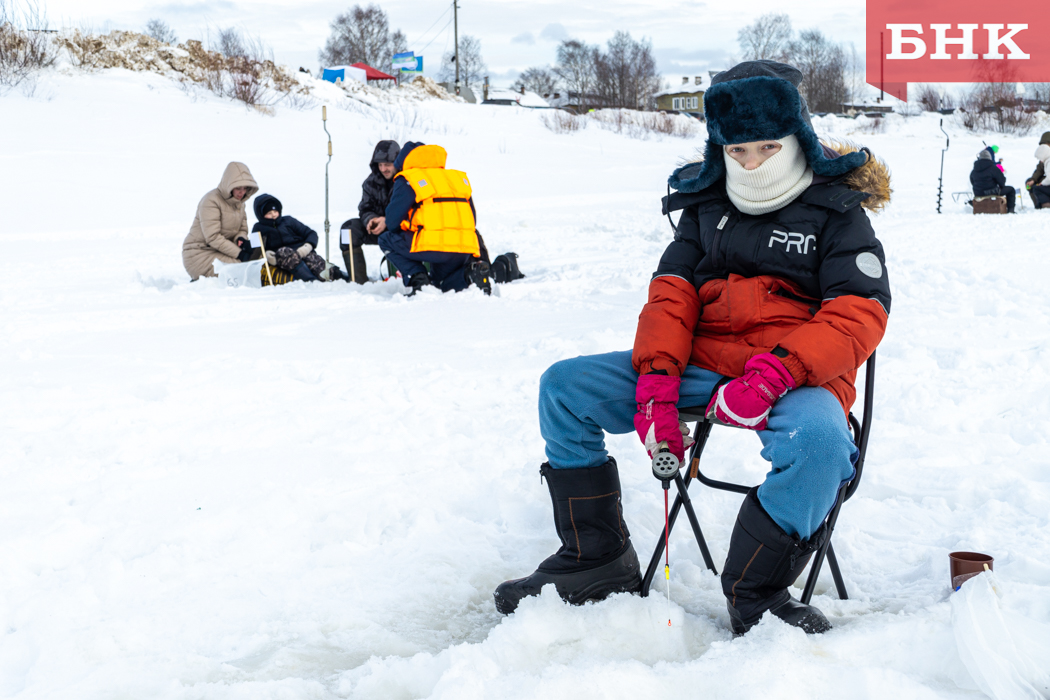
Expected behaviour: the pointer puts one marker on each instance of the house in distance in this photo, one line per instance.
(687, 98)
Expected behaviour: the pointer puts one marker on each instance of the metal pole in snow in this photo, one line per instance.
(455, 32)
(940, 180)
(324, 122)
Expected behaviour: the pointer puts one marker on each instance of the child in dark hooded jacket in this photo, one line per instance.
(290, 244)
(987, 178)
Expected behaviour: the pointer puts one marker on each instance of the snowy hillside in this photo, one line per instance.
(311, 491)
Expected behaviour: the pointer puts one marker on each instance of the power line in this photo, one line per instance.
(440, 17)
(436, 36)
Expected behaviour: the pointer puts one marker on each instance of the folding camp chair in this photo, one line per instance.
(860, 431)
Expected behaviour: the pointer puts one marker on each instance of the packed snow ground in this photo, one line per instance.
(311, 491)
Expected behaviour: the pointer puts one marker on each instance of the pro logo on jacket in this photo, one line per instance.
(442, 219)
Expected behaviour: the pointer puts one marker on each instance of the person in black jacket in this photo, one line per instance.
(290, 244)
(371, 221)
(986, 178)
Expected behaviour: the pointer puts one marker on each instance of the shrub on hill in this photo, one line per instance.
(24, 49)
(631, 123)
(246, 77)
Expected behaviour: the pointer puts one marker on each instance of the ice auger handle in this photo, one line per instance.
(665, 464)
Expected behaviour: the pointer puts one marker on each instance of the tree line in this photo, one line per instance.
(623, 75)
(831, 73)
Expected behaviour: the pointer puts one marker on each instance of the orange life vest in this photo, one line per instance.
(442, 219)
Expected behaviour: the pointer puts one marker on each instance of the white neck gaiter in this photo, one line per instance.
(774, 184)
(1043, 154)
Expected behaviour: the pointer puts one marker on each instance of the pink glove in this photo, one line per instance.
(745, 402)
(657, 417)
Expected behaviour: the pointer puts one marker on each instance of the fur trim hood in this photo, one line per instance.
(759, 101)
(872, 177)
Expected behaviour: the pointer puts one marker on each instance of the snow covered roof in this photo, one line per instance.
(529, 99)
(681, 90)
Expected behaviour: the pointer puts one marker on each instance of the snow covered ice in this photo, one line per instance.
(311, 491)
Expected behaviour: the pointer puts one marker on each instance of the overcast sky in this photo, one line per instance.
(688, 37)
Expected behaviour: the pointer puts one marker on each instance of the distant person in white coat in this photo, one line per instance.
(1039, 184)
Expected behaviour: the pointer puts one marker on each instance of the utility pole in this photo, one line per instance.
(455, 32)
(882, 65)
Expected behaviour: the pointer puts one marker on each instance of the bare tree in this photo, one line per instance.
(856, 85)
(823, 66)
(575, 69)
(542, 81)
(625, 75)
(159, 30)
(928, 96)
(230, 43)
(993, 104)
(766, 38)
(471, 65)
(362, 35)
(1037, 95)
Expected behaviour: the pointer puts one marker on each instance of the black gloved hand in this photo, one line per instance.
(245, 255)
(244, 244)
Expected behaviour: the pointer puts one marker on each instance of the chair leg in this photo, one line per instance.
(833, 564)
(683, 494)
(681, 499)
(818, 558)
(700, 435)
(654, 561)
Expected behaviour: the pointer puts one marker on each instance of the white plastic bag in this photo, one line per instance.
(248, 274)
(1005, 654)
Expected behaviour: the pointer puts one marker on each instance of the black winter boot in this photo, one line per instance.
(417, 281)
(356, 256)
(302, 272)
(478, 274)
(763, 561)
(596, 557)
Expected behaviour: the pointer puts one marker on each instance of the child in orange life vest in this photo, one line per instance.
(431, 218)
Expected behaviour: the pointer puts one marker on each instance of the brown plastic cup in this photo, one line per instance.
(966, 565)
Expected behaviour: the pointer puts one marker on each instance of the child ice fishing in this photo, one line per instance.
(290, 244)
(771, 295)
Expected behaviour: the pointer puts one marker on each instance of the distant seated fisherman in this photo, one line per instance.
(290, 244)
(371, 221)
(987, 178)
(431, 219)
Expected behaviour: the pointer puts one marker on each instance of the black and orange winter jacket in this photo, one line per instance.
(809, 277)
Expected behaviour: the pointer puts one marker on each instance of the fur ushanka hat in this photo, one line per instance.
(757, 101)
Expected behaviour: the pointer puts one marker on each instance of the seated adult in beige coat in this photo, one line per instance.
(219, 222)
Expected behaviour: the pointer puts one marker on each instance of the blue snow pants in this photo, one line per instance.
(807, 439)
(447, 270)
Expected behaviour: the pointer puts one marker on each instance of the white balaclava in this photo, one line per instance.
(774, 184)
